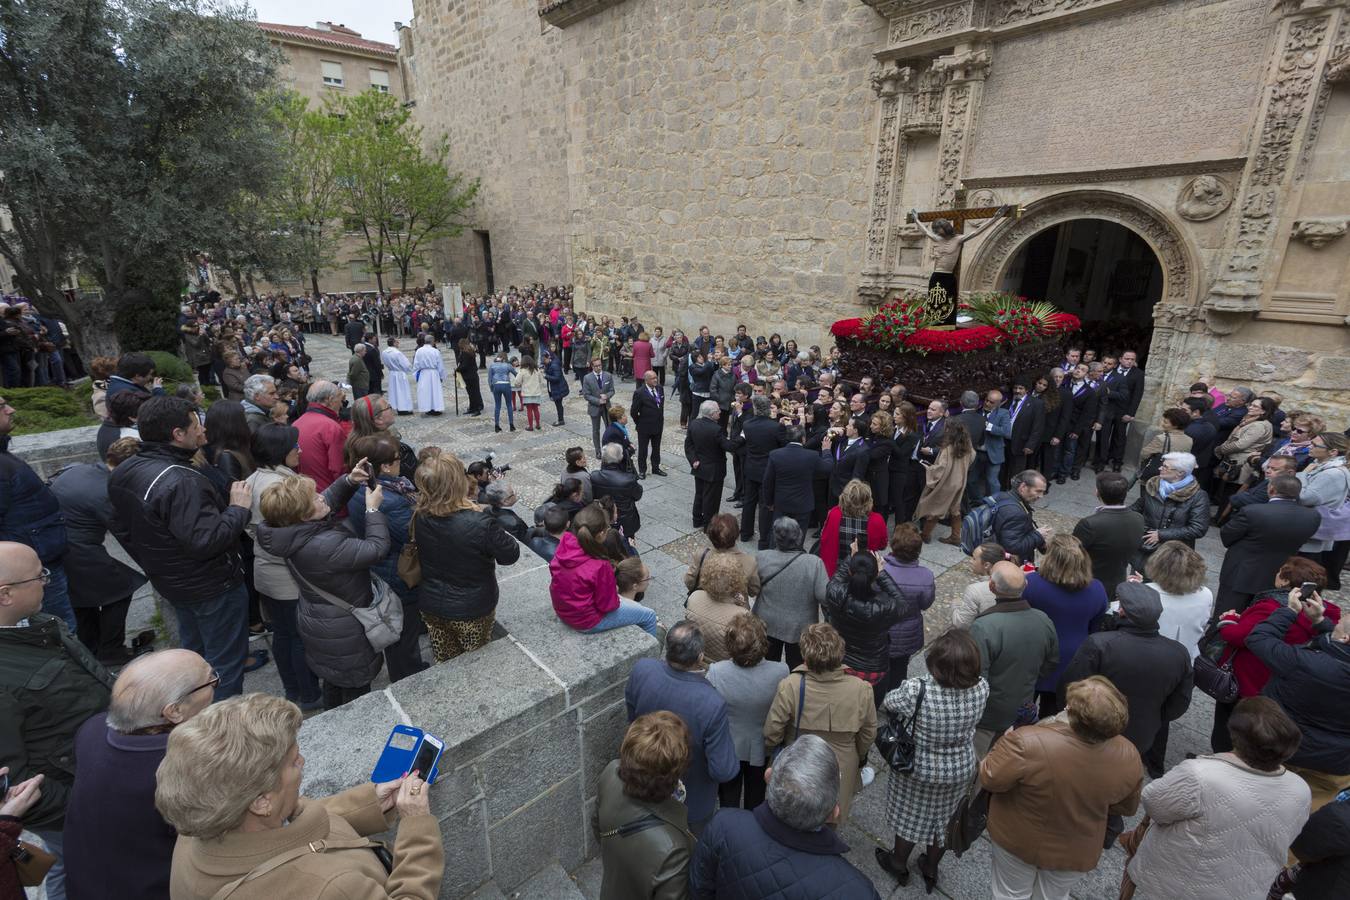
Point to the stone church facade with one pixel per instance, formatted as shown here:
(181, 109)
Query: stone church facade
(728, 161)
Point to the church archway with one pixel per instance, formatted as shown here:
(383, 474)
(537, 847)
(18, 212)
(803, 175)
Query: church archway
(1105, 257)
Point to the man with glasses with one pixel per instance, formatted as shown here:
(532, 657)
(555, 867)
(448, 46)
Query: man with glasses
(49, 685)
(1259, 538)
(30, 514)
(114, 835)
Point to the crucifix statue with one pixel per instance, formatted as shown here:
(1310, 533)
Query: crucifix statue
(948, 234)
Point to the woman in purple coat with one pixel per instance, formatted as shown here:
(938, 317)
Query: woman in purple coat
(915, 583)
(1064, 589)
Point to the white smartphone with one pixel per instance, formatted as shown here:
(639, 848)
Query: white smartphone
(427, 756)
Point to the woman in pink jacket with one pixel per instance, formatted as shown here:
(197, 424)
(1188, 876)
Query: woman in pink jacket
(642, 356)
(584, 591)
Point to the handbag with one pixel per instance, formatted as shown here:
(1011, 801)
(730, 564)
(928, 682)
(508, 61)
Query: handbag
(294, 853)
(382, 620)
(1335, 523)
(797, 726)
(409, 563)
(1213, 668)
(698, 573)
(895, 737)
(31, 862)
(970, 819)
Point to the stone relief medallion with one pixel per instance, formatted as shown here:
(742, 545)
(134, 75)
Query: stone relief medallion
(1203, 198)
(982, 199)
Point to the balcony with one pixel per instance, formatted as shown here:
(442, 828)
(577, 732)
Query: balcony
(561, 13)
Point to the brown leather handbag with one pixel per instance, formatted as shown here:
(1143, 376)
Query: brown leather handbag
(31, 862)
(409, 563)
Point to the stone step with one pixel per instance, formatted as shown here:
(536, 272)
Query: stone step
(550, 883)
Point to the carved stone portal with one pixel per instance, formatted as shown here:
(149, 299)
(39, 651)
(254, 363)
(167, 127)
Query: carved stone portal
(1317, 233)
(1203, 198)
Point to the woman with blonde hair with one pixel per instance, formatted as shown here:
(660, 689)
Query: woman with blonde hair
(460, 546)
(230, 785)
(328, 562)
(1178, 573)
(1063, 588)
(721, 596)
(853, 521)
(944, 485)
(820, 698)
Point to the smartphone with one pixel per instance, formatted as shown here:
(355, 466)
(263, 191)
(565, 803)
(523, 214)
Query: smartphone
(428, 754)
(4, 785)
(1306, 590)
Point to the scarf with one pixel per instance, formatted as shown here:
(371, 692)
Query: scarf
(1167, 487)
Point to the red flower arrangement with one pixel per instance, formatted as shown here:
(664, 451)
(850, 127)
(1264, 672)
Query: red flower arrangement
(1003, 319)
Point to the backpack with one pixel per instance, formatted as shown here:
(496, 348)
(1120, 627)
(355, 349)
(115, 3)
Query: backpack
(977, 527)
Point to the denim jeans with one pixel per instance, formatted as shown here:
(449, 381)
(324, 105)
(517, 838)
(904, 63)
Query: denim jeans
(55, 882)
(56, 597)
(218, 630)
(301, 685)
(501, 393)
(1068, 457)
(629, 612)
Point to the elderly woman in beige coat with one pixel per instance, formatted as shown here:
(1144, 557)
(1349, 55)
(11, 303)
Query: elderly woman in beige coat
(838, 708)
(945, 481)
(242, 823)
(721, 597)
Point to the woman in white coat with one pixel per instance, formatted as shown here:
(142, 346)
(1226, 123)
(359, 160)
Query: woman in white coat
(1326, 486)
(398, 390)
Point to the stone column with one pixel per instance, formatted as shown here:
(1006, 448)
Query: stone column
(964, 71)
(1285, 126)
(888, 170)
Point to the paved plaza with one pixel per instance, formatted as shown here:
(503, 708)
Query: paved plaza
(668, 543)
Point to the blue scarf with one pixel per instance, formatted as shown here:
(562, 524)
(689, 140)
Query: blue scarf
(1167, 487)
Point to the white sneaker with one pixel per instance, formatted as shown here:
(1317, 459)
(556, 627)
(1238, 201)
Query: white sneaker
(867, 775)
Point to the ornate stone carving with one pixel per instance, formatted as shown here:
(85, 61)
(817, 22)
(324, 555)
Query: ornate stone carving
(1007, 238)
(952, 149)
(1317, 233)
(884, 178)
(981, 198)
(929, 22)
(1008, 12)
(1203, 198)
(1238, 285)
(924, 112)
(1176, 316)
(966, 65)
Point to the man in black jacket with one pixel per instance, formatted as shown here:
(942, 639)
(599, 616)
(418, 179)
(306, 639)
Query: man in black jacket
(706, 448)
(1122, 390)
(1259, 492)
(1028, 431)
(1079, 399)
(970, 419)
(790, 472)
(616, 482)
(170, 519)
(763, 435)
(1259, 538)
(354, 331)
(1111, 535)
(1152, 671)
(648, 413)
(1013, 527)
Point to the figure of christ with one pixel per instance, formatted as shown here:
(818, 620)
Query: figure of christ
(947, 244)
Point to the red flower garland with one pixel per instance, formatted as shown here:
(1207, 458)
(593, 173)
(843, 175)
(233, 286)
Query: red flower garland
(965, 340)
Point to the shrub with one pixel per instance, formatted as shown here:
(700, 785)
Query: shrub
(41, 409)
(171, 367)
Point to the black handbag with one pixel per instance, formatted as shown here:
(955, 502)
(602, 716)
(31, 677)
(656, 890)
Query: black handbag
(1213, 668)
(895, 737)
(970, 819)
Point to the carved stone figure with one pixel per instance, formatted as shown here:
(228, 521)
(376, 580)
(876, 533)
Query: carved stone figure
(1317, 233)
(1203, 198)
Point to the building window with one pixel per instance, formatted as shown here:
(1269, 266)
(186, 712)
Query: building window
(379, 80)
(332, 74)
(360, 274)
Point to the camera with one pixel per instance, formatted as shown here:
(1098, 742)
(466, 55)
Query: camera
(489, 465)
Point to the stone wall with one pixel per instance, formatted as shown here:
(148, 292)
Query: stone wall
(1161, 83)
(49, 452)
(492, 77)
(529, 722)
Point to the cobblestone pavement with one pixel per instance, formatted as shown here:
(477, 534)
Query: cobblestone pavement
(668, 543)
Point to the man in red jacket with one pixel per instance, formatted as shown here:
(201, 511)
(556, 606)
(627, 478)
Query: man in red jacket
(322, 435)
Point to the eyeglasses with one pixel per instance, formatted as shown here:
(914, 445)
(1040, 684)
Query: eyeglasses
(213, 683)
(45, 578)
(1300, 431)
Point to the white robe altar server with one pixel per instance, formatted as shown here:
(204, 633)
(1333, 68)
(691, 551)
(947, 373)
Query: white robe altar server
(430, 372)
(399, 386)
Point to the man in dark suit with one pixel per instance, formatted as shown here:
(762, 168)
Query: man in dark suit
(706, 448)
(1260, 492)
(648, 414)
(1111, 535)
(763, 434)
(931, 424)
(1122, 390)
(789, 481)
(740, 411)
(597, 388)
(970, 419)
(1080, 409)
(354, 331)
(1028, 431)
(1259, 538)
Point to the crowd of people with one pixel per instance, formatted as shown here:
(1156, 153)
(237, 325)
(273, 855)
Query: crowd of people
(293, 507)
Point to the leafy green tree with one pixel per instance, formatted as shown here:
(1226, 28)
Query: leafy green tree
(429, 204)
(374, 146)
(307, 198)
(129, 129)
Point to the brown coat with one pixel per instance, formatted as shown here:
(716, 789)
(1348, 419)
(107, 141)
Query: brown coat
(748, 566)
(944, 483)
(839, 709)
(1051, 792)
(202, 867)
(712, 617)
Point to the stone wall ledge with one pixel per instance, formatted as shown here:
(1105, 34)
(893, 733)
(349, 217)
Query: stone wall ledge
(50, 451)
(528, 721)
(561, 13)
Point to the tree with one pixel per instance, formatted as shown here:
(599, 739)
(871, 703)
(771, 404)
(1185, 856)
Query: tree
(373, 147)
(127, 130)
(429, 202)
(307, 196)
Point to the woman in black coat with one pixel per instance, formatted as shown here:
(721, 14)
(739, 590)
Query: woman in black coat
(906, 475)
(880, 446)
(862, 602)
(557, 383)
(460, 546)
(467, 367)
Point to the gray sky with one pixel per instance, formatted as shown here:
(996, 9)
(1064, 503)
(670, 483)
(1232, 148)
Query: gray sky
(374, 20)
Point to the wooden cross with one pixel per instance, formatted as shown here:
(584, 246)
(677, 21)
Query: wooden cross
(958, 217)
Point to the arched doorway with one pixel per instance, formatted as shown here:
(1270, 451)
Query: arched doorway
(1100, 271)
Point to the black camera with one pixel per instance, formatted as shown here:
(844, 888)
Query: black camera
(488, 464)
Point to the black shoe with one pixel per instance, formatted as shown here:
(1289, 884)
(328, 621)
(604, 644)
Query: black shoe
(557, 424)
(738, 505)
(1116, 467)
(498, 428)
(642, 476)
(929, 880)
(887, 863)
(1073, 476)
(1059, 479)
(660, 473)
(513, 428)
